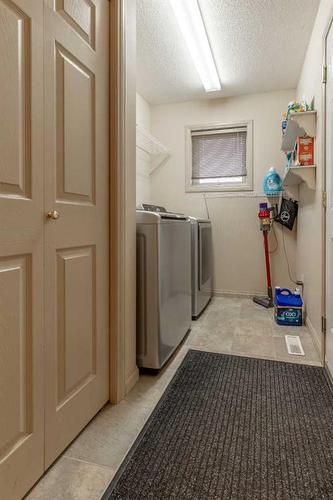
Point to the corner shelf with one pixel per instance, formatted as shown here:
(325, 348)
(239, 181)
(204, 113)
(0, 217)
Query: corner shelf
(299, 124)
(297, 174)
(153, 147)
(273, 196)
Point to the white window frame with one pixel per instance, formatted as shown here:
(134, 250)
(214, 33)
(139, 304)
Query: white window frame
(246, 185)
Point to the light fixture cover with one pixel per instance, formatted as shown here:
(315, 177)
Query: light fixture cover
(191, 24)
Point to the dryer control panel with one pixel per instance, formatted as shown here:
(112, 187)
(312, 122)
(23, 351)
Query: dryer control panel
(151, 208)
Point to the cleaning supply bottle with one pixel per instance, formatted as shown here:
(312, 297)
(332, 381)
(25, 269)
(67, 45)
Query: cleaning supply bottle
(288, 307)
(272, 182)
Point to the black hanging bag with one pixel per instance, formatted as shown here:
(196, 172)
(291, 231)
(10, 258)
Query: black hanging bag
(288, 213)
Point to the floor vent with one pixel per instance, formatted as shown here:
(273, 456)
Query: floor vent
(294, 345)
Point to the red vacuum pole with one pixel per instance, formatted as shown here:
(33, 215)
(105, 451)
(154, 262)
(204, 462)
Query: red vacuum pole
(268, 266)
(265, 226)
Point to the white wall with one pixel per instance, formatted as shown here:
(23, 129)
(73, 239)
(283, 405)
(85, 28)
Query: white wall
(143, 185)
(310, 243)
(237, 242)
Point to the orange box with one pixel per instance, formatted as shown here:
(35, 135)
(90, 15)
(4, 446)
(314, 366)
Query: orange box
(305, 151)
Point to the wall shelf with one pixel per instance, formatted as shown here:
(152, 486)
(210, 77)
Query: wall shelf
(274, 197)
(153, 147)
(297, 174)
(299, 124)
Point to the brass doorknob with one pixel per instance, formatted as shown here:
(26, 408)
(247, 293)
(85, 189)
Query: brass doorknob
(53, 215)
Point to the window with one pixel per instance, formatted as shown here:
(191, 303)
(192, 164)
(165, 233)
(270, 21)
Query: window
(219, 158)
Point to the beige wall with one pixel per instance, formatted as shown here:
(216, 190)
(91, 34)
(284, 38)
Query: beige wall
(143, 162)
(143, 112)
(309, 246)
(237, 243)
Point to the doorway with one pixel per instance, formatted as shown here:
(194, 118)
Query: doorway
(329, 199)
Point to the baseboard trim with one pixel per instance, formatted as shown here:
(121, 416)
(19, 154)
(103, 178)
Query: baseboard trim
(237, 295)
(131, 380)
(314, 334)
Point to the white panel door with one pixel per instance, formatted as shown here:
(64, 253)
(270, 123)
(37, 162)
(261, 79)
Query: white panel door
(329, 213)
(21, 246)
(76, 235)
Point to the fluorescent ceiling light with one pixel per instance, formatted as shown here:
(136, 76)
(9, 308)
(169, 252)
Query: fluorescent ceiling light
(191, 24)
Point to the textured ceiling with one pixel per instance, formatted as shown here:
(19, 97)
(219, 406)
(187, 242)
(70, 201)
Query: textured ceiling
(258, 45)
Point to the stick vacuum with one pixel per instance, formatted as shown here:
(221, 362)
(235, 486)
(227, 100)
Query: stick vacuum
(265, 227)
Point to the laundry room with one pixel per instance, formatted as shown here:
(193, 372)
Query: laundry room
(205, 152)
(166, 229)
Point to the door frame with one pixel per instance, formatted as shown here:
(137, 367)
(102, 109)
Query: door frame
(123, 370)
(324, 190)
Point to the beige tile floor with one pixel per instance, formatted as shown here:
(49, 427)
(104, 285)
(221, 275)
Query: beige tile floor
(229, 325)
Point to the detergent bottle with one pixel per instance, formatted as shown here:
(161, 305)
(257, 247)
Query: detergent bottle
(288, 307)
(272, 182)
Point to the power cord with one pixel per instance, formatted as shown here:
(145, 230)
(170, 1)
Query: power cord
(276, 240)
(287, 260)
(206, 204)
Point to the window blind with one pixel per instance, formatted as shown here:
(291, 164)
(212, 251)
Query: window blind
(219, 153)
